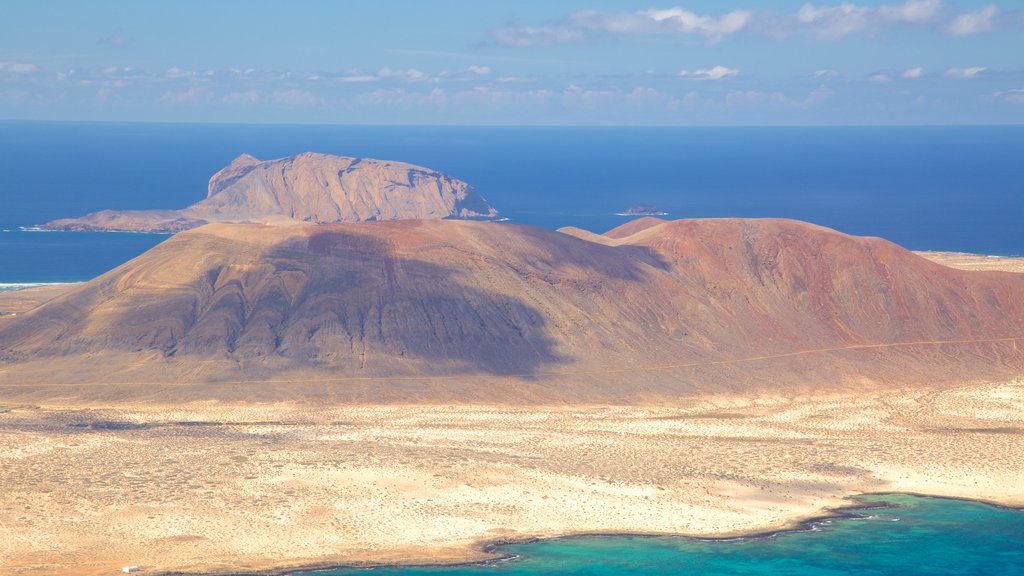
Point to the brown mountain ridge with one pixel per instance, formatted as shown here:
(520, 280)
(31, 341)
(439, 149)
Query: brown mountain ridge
(310, 187)
(442, 310)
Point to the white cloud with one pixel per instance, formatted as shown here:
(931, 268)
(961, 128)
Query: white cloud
(833, 22)
(826, 21)
(913, 72)
(411, 74)
(716, 73)
(1014, 96)
(18, 67)
(965, 72)
(826, 73)
(356, 78)
(516, 79)
(686, 22)
(911, 11)
(175, 73)
(577, 96)
(880, 78)
(481, 70)
(586, 24)
(247, 97)
(402, 99)
(977, 22)
(645, 96)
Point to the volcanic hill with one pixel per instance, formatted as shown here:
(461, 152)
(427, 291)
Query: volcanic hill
(459, 311)
(310, 187)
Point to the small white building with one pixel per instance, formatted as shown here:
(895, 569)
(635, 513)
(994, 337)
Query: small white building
(130, 569)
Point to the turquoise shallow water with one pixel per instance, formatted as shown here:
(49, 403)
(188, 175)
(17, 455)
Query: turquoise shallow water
(892, 534)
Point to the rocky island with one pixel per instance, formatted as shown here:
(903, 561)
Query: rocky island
(310, 187)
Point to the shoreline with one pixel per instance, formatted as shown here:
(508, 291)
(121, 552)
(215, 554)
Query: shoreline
(492, 547)
(271, 489)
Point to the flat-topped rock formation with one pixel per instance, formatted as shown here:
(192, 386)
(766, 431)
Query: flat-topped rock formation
(317, 188)
(441, 311)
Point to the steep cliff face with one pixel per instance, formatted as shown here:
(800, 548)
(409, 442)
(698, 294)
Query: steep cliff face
(309, 187)
(466, 311)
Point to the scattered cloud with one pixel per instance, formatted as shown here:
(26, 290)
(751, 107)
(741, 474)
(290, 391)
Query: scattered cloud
(911, 11)
(1014, 96)
(18, 67)
(192, 95)
(970, 23)
(590, 24)
(824, 21)
(965, 72)
(683, 21)
(356, 78)
(471, 87)
(411, 74)
(294, 97)
(175, 73)
(645, 96)
(716, 73)
(247, 97)
(835, 22)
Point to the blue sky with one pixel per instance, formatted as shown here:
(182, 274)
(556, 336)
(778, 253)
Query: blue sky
(525, 62)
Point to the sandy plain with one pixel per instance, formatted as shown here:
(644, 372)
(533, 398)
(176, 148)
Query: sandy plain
(215, 487)
(966, 261)
(219, 488)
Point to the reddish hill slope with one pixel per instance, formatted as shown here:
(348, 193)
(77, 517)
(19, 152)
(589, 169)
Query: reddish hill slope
(464, 311)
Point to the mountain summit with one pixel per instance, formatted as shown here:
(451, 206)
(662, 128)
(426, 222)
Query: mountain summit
(310, 187)
(456, 311)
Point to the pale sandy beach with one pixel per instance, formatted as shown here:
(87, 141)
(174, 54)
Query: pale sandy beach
(232, 487)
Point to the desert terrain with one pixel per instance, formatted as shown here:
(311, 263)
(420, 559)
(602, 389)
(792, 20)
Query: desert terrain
(214, 475)
(965, 261)
(227, 487)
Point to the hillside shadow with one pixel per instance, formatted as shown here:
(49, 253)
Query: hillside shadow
(361, 306)
(564, 250)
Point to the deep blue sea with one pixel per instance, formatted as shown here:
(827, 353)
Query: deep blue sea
(938, 188)
(911, 536)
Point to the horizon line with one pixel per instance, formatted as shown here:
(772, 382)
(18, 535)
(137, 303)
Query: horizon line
(521, 125)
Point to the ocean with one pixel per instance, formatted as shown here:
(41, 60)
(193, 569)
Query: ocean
(926, 188)
(889, 535)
